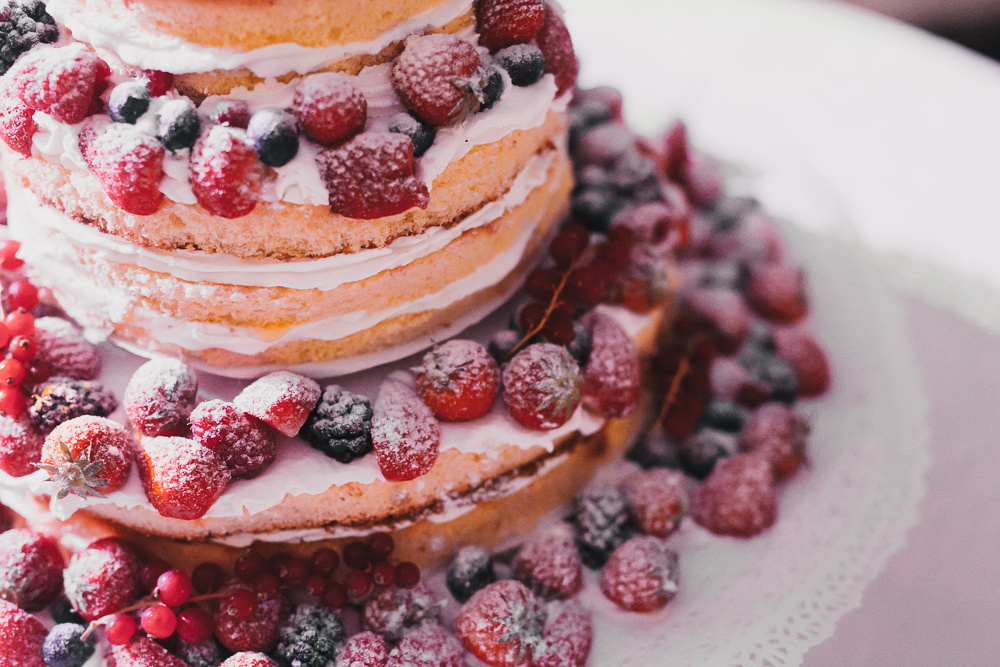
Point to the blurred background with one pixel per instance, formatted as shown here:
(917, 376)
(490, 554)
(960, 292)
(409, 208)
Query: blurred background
(972, 23)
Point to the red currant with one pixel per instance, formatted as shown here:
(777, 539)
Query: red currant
(207, 578)
(334, 595)
(195, 625)
(38, 372)
(278, 565)
(267, 586)
(325, 561)
(586, 284)
(22, 294)
(5, 334)
(380, 545)
(383, 573)
(12, 372)
(356, 556)
(174, 587)
(12, 401)
(20, 323)
(150, 573)
(542, 283)
(559, 329)
(568, 245)
(618, 248)
(23, 349)
(241, 604)
(8, 255)
(249, 565)
(296, 573)
(407, 574)
(120, 629)
(159, 621)
(315, 584)
(359, 586)
(531, 315)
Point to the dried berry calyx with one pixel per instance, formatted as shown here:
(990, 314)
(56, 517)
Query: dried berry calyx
(80, 476)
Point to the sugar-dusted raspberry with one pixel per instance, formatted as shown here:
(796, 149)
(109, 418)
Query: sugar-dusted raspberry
(777, 292)
(738, 498)
(395, 611)
(129, 164)
(21, 636)
(330, 107)
(458, 380)
(249, 659)
(439, 78)
(550, 566)
(806, 357)
(310, 637)
(775, 433)
(601, 522)
(656, 500)
(102, 578)
(612, 376)
(182, 478)
(143, 652)
(244, 443)
(60, 399)
(60, 81)
(87, 456)
(502, 23)
(281, 399)
(470, 571)
(502, 624)
(160, 396)
(17, 124)
(259, 632)
(62, 346)
(641, 575)
(430, 645)
(567, 641)
(371, 176)
(30, 569)
(405, 434)
(542, 386)
(557, 47)
(340, 426)
(227, 177)
(365, 649)
(20, 445)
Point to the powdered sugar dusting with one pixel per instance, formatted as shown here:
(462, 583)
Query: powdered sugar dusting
(281, 399)
(365, 649)
(405, 434)
(430, 645)
(612, 379)
(641, 575)
(182, 478)
(738, 497)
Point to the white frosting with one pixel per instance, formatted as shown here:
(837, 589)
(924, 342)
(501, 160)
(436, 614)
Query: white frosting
(170, 53)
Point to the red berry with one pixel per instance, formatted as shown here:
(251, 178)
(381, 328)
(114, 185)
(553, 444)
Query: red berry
(207, 578)
(567, 641)
(20, 446)
(182, 478)
(38, 372)
(23, 294)
(241, 604)
(559, 329)
(17, 127)
(612, 378)
(296, 573)
(102, 578)
(383, 573)
(12, 372)
(31, 568)
(557, 47)
(62, 347)
(315, 584)
(120, 629)
(677, 154)
(738, 497)
(175, 588)
(356, 556)
(129, 164)
(585, 284)
(21, 637)
(8, 255)
(20, 323)
(330, 108)
(550, 566)
(266, 586)
(234, 113)
(59, 80)
(244, 442)
(281, 399)
(372, 176)
(143, 652)
(249, 565)
(641, 575)
(778, 435)
(195, 625)
(334, 595)
(439, 78)
(503, 23)
(430, 645)
(359, 586)
(502, 624)
(725, 312)
(87, 440)
(227, 177)
(324, 561)
(807, 359)
(777, 292)
(365, 649)
(151, 572)
(12, 401)
(407, 574)
(157, 83)
(531, 315)
(259, 632)
(656, 500)
(541, 284)
(160, 396)
(542, 386)
(568, 245)
(159, 621)
(395, 611)
(380, 546)
(458, 380)
(23, 349)
(405, 434)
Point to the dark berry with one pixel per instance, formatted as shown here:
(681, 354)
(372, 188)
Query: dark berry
(275, 135)
(700, 452)
(311, 637)
(62, 399)
(234, 113)
(502, 343)
(205, 654)
(63, 646)
(493, 88)
(524, 63)
(128, 101)
(595, 207)
(730, 212)
(471, 570)
(773, 371)
(340, 426)
(421, 134)
(62, 612)
(655, 451)
(380, 545)
(601, 521)
(724, 415)
(407, 574)
(178, 124)
(23, 25)
(580, 347)
(207, 578)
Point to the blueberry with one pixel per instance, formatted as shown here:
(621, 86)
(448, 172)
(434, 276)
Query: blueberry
(471, 570)
(524, 63)
(655, 451)
(209, 654)
(595, 207)
(699, 452)
(62, 612)
(421, 134)
(580, 347)
(502, 343)
(493, 88)
(64, 648)
(178, 124)
(128, 101)
(275, 135)
(724, 415)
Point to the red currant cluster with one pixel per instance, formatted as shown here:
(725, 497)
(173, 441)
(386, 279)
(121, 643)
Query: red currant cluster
(17, 337)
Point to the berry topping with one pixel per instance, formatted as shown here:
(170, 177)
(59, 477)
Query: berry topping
(807, 359)
(396, 611)
(174, 588)
(405, 434)
(178, 124)
(195, 626)
(281, 399)
(330, 108)
(471, 571)
(371, 176)
(612, 377)
(158, 621)
(493, 88)
(421, 134)
(458, 380)
(87, 456)
(128, 101)
(550, 566)
(600, 520)
(407, 574)
(160, 396)
(234, 113)
(128, 163)
(242, 441)
(566, 642)
(641, 575)
(102, 578)
(524, 63)
(738, 497)
(777, 292)
(430, 645)
(656, 500)
(62, 612)
(311, 637)
(60, 81)
(439, 78)
(21, 636)
(557, 47)
(275, 135)
(253, 659)
(778, 435)
(60, 399)
(17, 124)
(700, 452)
(502, 624)
(63, 646)
(64, 349)
(143, 652)
(24, 25)
(120, 629)
(253, 631)
(365, 649)
(30, 569)
(542, 386)
(20, 446)
(502, 23)
(157, 83)
(341, 425)
(182, 478)
(208, 653)
(227, 176)
(724, 312)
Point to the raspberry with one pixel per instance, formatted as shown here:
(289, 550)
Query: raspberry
(17, 124)
(157, 83)
(550, 566)
(20, 446)
(258, 632)
(566, 642)
(143, 652)
(21, 636)
(738, 497)
(128, 163)
(612, 376)
(502, 624)
(102, 578)
(807, 359)
(641, 575)
(503, 23)
(557, 47)
(311, 637)
(542, 386)
(330, 108)
(778, 435)
(341, 425)
(60, 81)
(430, 645)
(87, 456)
(160, 396)
(249, 659)
(458, 380)
(61, 399)
(30, 569)
(281, 399)
(600, 520)
(471, 571)
(245, 444)
(182, 478)
(395, 611)
(365, 649)
(64, 648)
(405, 434)
(371, 176)
(439, 78)
(227, 177)
(777, 292)
(656, 500)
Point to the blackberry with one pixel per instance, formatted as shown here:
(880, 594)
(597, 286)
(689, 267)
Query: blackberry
(525, 64)
(493, 89)
(311, 637)
(699, 452)
(209, 654)
(729, 212)
(24, 24)
(275, 135)
(471, 570)
(592, 176)
(580, 347)
(724, 415)
(178, 124)
(128, 101)
(421, 134)
(502, 343)
(340, 425)
(60, 399)
(62, 612)
(63, 646)
(601, 523)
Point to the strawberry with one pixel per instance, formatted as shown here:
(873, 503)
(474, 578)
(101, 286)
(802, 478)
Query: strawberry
(656, 500)
(60, 81)
(143, 652)
(458, 380)
(550, 566)
(182, 478)
(244, 442)
(612, 376)
(160, 396)
(807, 359)
(21, 637)
(371, 176)
(20, 445)
(227, 176)
(641, 575)
(248, 659)
(738, 497)
(330, 108)
(778, 435)
(777, 292)
(430, 645)
(103, 578)
(405, 434)
(129, 164)
(566, 642)
(64, 349)
(31, 568)
(17, 124)
(503, 23)
(439, 78)
(281, 399)
(87, 456)
(502, 624)
(257, 633)
(542, 386)
(365, 649)
(557, 47)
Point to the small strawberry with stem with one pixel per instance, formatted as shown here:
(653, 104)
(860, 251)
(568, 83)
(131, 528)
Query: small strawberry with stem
(439, 78)
(502, 624)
